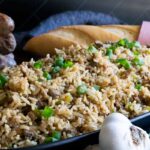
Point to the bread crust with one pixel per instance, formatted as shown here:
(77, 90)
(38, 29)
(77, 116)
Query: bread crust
(79, 34)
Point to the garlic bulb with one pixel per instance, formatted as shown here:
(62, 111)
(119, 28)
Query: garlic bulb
(118, 133)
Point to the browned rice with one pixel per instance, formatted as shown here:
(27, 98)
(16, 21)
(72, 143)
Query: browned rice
(27, 90)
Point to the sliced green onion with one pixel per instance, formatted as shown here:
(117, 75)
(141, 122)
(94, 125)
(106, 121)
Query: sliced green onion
(47, 75)
(137, 44)
(92, 49)
(67, 64)
(50, 140)
(82, 89)
(96, 87)
(3, 80)
(59, 61)
(109, 52)
(56, 69)
(127, 44)
(124, 62)
(122, 42)
(56, 135)
(113, 47)
(38, 64)
(138, 87)
(136, 52)
(47, 112)
(138, 61)
(130, 45)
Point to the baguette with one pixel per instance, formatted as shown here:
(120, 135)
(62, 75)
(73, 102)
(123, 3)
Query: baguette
(125, 31)
(78, 34)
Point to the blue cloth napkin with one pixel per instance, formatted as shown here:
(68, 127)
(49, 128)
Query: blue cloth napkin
(64, 19)
(74, 18)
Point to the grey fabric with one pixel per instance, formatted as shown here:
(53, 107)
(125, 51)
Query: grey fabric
(74, 18)
(66, 18)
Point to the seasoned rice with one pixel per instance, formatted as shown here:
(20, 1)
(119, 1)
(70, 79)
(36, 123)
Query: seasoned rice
(109, 88)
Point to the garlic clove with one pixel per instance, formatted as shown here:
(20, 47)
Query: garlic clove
(118, 133)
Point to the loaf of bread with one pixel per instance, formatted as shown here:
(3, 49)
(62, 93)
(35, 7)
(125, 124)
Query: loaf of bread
(130, 32)
(79, 34)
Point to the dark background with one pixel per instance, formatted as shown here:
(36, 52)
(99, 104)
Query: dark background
(28, 13)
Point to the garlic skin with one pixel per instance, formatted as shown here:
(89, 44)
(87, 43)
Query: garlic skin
(118, 133)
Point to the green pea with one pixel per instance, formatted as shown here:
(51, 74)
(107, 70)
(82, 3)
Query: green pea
(56, 69)
(59, 61)
(82, 89)
(47, 75)
(68, 64)
(38, 64)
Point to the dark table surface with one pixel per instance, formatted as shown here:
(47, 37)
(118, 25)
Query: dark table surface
(28, 13)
